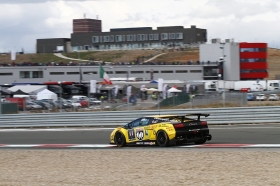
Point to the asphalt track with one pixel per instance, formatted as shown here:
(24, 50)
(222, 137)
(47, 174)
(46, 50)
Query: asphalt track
(225, 134)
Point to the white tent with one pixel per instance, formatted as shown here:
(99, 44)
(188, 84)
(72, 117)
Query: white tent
(46, 94)
(29, 89)
(174, 90)
(151, 90)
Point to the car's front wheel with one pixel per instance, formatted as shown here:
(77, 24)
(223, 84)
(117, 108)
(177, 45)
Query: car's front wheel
(162, 139)
(120, 139)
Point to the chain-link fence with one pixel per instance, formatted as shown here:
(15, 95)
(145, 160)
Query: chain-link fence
(224, 99)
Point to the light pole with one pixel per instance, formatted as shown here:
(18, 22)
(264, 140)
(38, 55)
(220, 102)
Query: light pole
(60, 96)
(128, 87)
(152, 74)
(222, 61)
(127, 74)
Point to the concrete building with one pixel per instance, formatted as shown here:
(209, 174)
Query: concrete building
(237, 61)
(40, 74)
(87, 35)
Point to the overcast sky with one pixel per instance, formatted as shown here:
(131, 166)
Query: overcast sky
(24, 21)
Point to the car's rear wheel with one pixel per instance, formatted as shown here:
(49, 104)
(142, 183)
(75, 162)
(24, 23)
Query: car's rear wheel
(120, 139)
(162, 139)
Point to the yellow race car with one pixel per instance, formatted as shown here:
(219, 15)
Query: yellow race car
(162, 130)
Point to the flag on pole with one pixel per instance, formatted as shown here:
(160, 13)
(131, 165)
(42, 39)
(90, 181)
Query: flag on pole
(105, 76)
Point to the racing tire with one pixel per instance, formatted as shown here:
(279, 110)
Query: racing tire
(162, 139)
(200, 141)
(120, 139)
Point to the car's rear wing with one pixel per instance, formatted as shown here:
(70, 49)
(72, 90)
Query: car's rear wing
(182, 117)
(198, 115)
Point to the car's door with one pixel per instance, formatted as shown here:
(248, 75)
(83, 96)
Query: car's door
(136, 131)
(132, 130)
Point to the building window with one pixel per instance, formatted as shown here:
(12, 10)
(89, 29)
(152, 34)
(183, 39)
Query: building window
(95, 39)
(31, 74)
(118, 38)
(181, 71)
(37, 74)
(121, 72)
(252, 60)
(72, 73)
(109, 72)
(24, 74)
(112, 38)
(164, 36)
(195, 71)
(253, 49)
(179, 35)
(138, 37)
(56, 73)
(123, 38)
(155, 71)
(106, 38)
(137, 72)
(156, 36)
(128, 38)
(167, 71)
(134, 38)
(94, 72)
(171, 35)
(151, 36)
(100, 39)
(6, 74)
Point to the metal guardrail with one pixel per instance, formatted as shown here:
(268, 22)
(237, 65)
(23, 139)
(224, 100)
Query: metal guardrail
(236, 115)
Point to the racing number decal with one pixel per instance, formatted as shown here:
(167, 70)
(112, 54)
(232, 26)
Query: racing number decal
(140, 134)
(131, 134)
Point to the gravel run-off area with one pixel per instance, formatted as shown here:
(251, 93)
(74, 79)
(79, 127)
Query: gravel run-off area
(139, 166)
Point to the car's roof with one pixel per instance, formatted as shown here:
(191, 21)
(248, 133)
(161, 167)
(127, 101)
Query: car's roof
(173, 115)
(161, 116)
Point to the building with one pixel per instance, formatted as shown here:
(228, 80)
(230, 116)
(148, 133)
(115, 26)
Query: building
(53, 45)
(253, 61)
(87, 35)
(87, 25)
(237, 61)
(40, 74)
(135, 38)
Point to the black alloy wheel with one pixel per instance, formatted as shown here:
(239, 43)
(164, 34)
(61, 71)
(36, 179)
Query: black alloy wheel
(162, 139)
(119, 139)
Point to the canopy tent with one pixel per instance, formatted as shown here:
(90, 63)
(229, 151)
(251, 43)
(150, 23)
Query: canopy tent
(20, 92)
(151, 90)
(6, 92)
(173, 90)
(153, 81)
(46, 94)
(29, 89)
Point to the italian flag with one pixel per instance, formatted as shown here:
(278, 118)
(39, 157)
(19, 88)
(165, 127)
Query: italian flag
(105, 76)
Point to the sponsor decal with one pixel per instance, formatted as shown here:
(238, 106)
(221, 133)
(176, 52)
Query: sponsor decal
(139, 143)
(131, 134)
(140, 134)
